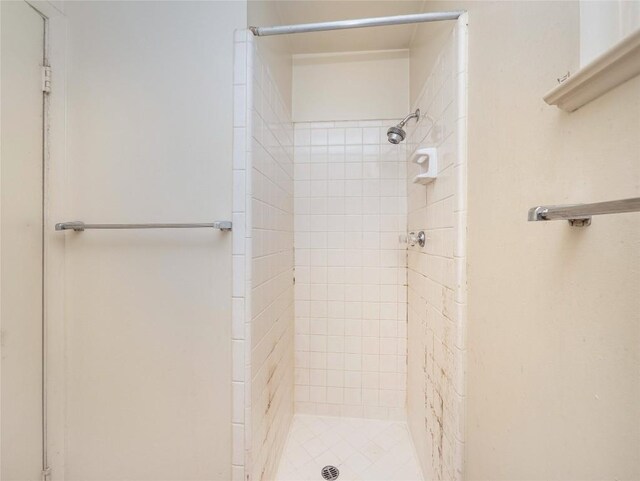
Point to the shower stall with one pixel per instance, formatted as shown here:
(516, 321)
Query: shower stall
(349, 296)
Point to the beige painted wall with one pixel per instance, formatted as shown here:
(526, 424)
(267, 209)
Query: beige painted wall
(553, 325)
(148, 341)
(351, 86)
(21, 242)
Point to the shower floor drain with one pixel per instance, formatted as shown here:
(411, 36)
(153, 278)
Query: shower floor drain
(330, 473)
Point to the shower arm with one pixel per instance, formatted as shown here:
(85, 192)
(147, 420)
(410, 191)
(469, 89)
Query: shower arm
(413, 115)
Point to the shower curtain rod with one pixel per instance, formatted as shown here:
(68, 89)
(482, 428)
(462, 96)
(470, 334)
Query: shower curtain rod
(355, 23)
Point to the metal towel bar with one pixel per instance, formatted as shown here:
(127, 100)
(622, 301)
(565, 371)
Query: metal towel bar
(580, 214)
(79, 226)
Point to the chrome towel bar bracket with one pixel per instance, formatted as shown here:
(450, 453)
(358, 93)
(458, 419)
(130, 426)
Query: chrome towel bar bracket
(580, 215)
(79, 226)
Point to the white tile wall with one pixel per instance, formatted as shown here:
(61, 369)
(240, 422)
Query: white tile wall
(263, 319)
(272, 306)
(437, 272)
(241, 252)
(350, 266)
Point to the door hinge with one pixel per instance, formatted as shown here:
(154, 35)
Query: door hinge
(46, 474)
(46, 79)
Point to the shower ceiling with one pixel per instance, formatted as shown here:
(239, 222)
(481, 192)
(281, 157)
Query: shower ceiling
(375, 38)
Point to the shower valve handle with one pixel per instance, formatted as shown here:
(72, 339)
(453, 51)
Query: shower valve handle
(420, 238)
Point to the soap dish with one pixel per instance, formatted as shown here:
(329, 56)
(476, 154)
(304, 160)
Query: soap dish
(427, 160)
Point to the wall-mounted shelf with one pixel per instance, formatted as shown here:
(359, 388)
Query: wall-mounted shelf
(615, 66)
(427, 160)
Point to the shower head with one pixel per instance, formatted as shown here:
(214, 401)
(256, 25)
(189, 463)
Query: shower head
(396, 134)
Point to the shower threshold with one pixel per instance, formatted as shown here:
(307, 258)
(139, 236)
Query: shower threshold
(361, 449)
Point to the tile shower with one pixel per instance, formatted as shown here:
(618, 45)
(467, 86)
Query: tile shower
(337, 320)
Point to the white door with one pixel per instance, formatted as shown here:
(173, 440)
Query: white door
(21, 252)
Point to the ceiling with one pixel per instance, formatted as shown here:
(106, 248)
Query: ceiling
(372, 38)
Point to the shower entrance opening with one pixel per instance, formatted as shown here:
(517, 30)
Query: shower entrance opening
(350, 206)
